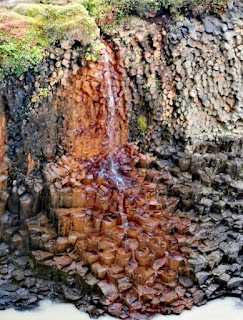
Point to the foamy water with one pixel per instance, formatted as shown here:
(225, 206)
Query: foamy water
(221, 309)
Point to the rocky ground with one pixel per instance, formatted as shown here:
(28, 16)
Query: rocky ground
(21, 288)
(216, 258)
(209, 185)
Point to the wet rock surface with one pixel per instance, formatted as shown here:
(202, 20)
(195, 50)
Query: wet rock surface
(105, 221)
(215, 257)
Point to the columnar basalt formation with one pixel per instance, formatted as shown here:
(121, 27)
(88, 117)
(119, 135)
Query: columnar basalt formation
(108, 218)
(208, 184)
(86, 130)
(149, 79)
(207, 56)
(130, 240)
(184, 78)
(94, 212)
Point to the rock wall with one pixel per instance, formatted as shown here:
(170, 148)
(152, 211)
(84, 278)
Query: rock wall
(150, 54)
(147, 76)
(209, 185)
(33, 131)
(208, 56)
(86, 102)
(186, 79)
(182, 86)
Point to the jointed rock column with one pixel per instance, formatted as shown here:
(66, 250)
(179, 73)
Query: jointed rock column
(3, 162)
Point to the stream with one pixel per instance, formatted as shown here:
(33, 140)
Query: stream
(221, 309)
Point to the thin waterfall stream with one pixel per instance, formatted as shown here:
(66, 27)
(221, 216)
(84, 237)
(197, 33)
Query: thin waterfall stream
(114, 166)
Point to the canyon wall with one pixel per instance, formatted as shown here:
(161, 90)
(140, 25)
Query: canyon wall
(177, 90)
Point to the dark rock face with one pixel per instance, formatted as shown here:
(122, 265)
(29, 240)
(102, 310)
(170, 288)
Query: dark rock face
(3, 161)
(22, 289)
(186, 78)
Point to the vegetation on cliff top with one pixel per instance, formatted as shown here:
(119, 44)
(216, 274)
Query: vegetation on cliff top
(108, 12)
(29, 27)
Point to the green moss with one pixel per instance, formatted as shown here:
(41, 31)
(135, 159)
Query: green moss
(19, 47)
(146, 86)
(92, 53)
(32, 263)
(111, 12)
(56, 22)
(142, 123)
(165, 143)
(37, 97)
(28, 29)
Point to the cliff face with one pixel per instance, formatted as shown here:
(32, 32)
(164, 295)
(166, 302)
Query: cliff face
(186, 78)
(141, 233)
(3, 160)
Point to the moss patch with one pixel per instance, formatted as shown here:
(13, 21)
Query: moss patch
(110, 12)
(57, 22)
(19, 45)
(142, 123)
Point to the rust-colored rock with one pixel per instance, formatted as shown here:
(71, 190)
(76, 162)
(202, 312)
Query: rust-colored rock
(86, 111)
(123, 234)
(110, 220)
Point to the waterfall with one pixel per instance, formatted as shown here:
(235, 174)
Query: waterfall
(111, 102)
(111, 127)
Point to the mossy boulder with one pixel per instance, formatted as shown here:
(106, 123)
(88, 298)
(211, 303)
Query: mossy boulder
(28, 29)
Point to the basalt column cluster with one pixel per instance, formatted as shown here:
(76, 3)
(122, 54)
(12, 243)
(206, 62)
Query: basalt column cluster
(84, 209)
(85, 109)
(103, 221)
(184, 77)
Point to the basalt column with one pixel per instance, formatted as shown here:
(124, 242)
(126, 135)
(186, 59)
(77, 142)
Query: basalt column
(3, 162)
